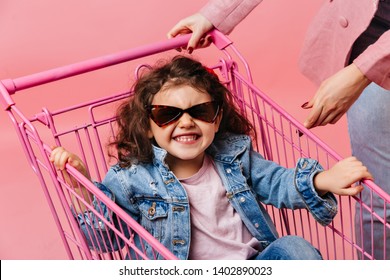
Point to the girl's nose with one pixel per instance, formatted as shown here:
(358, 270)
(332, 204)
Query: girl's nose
(186, 120)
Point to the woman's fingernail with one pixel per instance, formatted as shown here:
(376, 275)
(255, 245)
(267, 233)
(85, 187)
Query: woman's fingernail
(300, 133)
(304, 105)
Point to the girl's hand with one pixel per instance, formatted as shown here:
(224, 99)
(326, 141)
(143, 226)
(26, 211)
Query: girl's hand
(60, 157)
(341, 176)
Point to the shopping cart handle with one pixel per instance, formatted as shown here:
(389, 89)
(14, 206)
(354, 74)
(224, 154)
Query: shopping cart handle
(5, 98)
(220, 40)
(40, 78)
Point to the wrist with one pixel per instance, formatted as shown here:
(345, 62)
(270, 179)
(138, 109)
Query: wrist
(363, 80)
(318, 182)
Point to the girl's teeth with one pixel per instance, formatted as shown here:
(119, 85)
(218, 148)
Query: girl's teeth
(186, 138)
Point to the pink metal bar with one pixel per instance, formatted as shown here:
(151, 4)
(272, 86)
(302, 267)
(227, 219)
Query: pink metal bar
(102, 62)
(276, 139)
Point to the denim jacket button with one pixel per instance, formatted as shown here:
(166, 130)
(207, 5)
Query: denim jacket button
(256, 225)
(166, 182)
(152, 209)
(228, 170)
(178, 241)
(242, 199)
(178, 209)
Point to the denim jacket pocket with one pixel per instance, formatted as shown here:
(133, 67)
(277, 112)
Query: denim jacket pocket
(154, 214)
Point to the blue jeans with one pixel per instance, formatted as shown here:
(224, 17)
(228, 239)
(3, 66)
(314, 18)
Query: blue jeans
(369, 131)
(289, 248)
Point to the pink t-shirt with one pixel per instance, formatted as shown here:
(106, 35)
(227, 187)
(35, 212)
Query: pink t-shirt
(217, 230)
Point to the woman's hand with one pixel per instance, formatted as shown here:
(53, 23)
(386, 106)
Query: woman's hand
(335, 96)
(196, 24)
(341, 176)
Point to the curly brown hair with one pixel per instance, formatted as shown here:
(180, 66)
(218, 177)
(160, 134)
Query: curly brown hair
(131, 141)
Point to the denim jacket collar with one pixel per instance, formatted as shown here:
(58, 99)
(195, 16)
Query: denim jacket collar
(228, 147)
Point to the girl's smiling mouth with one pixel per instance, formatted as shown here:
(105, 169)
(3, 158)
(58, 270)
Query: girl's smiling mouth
(187, 138)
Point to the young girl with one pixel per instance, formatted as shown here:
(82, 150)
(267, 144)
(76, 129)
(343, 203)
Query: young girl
(188, 174)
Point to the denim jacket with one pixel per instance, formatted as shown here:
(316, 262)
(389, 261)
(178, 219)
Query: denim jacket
(247, 177)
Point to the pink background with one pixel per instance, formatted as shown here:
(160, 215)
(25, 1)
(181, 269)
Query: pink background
(43, 34)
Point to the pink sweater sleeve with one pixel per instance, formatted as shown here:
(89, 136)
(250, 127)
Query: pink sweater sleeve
(374, 62)
(226, 14)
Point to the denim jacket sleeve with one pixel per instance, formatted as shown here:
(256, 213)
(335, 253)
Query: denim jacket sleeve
(90, 218)
(291, 188)
(322, 208)
(95, 230)
(97, 233)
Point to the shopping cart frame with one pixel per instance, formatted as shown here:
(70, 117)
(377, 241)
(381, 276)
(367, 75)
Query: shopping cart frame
(253, 102)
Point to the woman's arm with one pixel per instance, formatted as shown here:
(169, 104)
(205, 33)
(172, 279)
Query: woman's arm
(337, 93)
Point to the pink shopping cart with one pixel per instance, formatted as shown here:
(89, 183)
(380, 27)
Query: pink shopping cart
(279, 138)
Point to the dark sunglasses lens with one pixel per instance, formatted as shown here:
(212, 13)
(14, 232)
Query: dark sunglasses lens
(163, 115)
(205, 112)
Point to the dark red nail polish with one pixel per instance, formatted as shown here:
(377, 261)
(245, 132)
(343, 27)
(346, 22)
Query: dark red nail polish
(300, 133)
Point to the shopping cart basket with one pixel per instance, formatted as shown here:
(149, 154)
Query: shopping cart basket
(279, 138)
